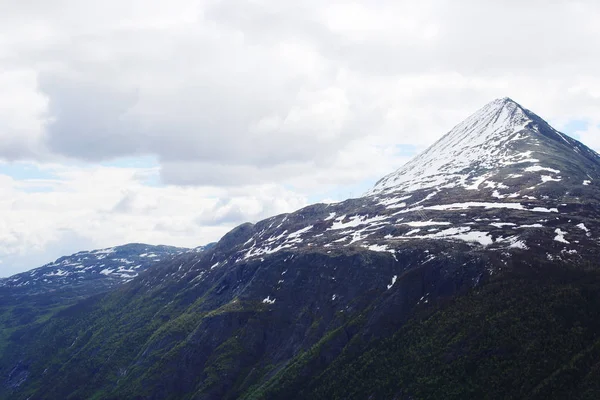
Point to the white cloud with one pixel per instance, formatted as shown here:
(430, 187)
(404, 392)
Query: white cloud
(21, 113)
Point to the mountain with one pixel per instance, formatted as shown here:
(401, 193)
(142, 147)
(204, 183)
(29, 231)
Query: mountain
(469, 273)
(89, 272)
(501, 179)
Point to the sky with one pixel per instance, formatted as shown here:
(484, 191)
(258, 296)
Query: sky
(172, 122)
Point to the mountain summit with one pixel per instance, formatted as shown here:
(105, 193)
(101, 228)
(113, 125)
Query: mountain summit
(501, 142)
(469, 273)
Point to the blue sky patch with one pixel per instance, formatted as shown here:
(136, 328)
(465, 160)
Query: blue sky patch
(24, 171)
(133, 162)
(575, 125)
(404, 150)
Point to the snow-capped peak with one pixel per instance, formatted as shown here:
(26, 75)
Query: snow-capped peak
(500, 116)
(487, 140)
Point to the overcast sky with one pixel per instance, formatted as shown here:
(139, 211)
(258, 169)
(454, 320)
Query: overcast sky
(173, 121)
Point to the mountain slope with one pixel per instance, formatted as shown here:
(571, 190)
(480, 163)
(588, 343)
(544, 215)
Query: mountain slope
(530, 333)
(485, 235)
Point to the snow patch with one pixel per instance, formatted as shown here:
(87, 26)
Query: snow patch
(537, 168)
(560, 236)
(107, 271)
(394, 278)
(425, 223)
(582, 227)
(502, 224)
(548, 178)
(355, 220)
(519, 244)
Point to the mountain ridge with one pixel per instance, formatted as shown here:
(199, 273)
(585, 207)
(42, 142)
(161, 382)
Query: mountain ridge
(93, 270)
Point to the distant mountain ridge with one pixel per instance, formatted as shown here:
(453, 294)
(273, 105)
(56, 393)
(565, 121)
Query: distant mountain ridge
(91, 271)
